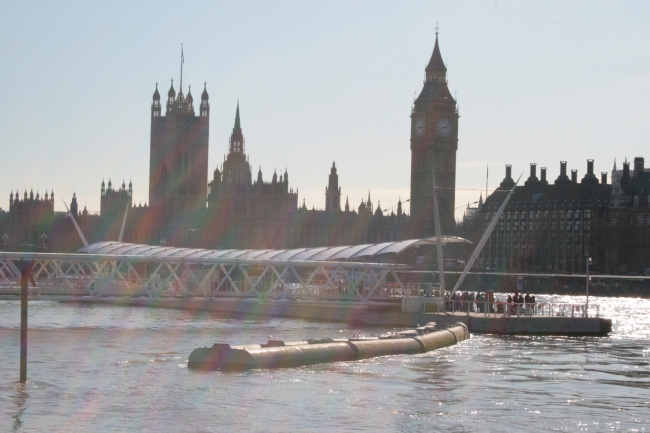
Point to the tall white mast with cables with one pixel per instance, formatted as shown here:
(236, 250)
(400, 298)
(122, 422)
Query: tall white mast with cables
(436, 218)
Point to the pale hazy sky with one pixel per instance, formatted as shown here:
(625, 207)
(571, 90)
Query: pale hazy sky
(537, 82)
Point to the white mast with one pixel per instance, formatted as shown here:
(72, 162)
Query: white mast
(484, 239)
(119, 239)
(436, 217)
(81, 235)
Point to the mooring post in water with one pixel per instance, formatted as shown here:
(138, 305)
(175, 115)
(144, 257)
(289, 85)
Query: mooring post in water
(25, 277)
(586, 312)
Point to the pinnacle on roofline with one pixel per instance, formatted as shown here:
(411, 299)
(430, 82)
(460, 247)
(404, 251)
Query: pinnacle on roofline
(436, 61)
(237, 121)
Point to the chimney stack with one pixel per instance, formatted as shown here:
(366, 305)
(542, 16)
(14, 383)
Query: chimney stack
(507, 182)
(638, 166)
(574, 176)
(590, 178)
(543, 179)
(603, 177)
(562, 179)
(532, 180)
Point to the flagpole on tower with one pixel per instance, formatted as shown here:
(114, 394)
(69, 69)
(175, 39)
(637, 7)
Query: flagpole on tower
(182, 61)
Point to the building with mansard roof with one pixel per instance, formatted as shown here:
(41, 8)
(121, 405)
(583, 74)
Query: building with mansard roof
(547, 227)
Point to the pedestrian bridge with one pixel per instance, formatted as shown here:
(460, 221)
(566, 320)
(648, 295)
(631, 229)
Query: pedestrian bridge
(358, 273)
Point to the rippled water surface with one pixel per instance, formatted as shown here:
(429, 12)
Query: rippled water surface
(114, 369)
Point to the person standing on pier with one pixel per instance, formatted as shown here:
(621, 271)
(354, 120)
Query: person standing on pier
(533, 302)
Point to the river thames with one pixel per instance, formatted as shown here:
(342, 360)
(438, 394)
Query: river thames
(114, 369)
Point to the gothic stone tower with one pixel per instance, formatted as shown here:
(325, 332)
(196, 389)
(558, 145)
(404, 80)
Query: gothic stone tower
(434, 141)
(333, 191)
(236, 179)
(178, 166)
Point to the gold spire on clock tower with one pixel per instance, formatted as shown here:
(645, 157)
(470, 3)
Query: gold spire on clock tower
(434, 141)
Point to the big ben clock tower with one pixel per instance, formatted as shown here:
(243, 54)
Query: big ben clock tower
(434, 141)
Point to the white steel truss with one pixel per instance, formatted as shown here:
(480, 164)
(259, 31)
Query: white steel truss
(97, 275)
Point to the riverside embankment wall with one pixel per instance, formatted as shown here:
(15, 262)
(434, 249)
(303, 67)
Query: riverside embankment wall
(369, 315)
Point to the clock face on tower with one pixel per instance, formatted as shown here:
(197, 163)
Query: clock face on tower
(444, 127)
(419, 127)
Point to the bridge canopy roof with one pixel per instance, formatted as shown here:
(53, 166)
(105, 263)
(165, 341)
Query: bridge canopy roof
(337, 253)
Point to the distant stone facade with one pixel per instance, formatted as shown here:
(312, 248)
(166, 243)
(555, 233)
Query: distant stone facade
(29, 219)
(246, 213)
(233, 210)
(178, 161)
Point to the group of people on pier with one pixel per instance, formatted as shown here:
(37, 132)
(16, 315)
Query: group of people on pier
(481, 302)
(518, 304)
(485, 302)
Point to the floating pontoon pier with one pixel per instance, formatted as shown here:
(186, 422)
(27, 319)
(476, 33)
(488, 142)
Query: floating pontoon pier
(278, 354)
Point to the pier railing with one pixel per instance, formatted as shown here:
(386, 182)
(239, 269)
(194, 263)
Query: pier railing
(509, 309)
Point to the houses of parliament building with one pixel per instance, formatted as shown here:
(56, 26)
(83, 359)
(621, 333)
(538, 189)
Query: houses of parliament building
(234, 208)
